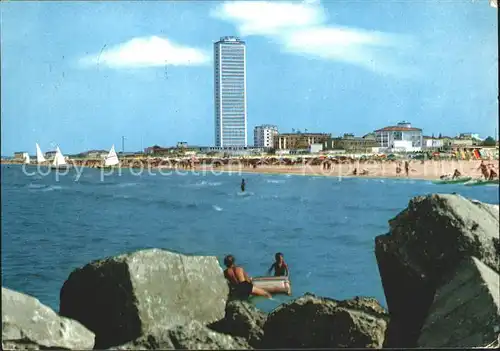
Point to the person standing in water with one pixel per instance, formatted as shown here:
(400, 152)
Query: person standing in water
(279, 266)
(243, 185)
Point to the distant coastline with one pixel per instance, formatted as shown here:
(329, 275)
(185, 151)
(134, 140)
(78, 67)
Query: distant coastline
(419, 170)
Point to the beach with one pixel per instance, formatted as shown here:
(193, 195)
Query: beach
(418, 169)
(427, 170)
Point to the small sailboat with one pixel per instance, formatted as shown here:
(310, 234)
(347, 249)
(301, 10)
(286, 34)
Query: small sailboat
(59, 162)
(39, 155)
(27, 159)
(111, 159)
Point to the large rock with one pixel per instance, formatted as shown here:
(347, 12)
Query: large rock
(158, 339)
(28, 324)
(121, 298)
(244, 320)
(196, 336)
(317, 322)
(466, 310)
(192, 336)
(426, 243)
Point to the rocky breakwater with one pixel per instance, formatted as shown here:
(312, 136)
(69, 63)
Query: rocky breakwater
(307, 322)
(145, 293)
(28, 324)
(439, 267)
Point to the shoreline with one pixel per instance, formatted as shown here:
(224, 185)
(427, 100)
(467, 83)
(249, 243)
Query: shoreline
(427, 170)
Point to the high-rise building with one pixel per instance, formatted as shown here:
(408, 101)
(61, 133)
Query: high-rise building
(230, 93)
(263, 136)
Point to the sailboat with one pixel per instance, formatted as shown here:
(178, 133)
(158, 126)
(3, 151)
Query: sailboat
(27, 159)
(59, 161)
(39, 155)
(111, 159)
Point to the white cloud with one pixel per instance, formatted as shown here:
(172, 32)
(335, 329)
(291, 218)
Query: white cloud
(300, 28)
(146, 52)
(268, 18)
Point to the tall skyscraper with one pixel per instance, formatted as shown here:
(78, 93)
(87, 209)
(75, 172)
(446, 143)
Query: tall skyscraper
(230, 93)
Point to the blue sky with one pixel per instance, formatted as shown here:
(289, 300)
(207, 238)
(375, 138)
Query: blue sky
(82, 74)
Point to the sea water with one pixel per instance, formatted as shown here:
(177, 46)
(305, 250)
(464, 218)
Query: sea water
(324, 226)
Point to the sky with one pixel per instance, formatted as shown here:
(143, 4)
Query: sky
(81, 75)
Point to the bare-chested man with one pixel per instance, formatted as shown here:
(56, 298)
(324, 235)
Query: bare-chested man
(240, 283)
(456, 174)
(484, 170)
(493, 174)
(407, 168)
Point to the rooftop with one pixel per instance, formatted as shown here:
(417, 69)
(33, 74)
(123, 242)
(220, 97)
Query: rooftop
(305, 134)
(398, 129)
(230, 39)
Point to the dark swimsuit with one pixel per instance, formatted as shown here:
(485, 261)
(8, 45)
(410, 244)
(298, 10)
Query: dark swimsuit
(280, 271)
(242, 290)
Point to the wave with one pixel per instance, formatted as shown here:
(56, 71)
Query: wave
(43, 187)
(245, 194)
(370, 207)
(51, 188)
(203, 183)
(36, 186)
(124, 185)
(217, 208)
(275, 181)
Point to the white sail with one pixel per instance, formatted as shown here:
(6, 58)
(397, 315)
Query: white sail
(27, 158)
(59, 158)
(112, 158)
(494, 3)
(39, 155)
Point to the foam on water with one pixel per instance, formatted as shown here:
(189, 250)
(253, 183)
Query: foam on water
(124, 185)
(203, 183)
(36, 186)
(275, 181)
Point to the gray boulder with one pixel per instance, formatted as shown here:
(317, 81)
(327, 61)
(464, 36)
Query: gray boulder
(28, 324)
(121, 298)
(426, 243)
(196, 336)
(158, 339)
(318, 322)
(244, 320)
(466, 310)
(193, 336)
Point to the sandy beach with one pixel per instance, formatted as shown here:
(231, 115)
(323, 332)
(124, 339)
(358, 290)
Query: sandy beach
(428, 170)
(425, 170)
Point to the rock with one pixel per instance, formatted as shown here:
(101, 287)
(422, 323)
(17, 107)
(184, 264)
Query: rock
(196, 336)
(158, 339)
(244, 320)
(121, 298)
(466, 310)
(426, 243)
(318, 322)
(29, 324)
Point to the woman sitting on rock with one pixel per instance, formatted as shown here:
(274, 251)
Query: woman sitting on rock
(239, 282)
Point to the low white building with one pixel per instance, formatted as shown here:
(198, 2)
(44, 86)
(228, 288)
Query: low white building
(315, 148)
(433, 143)
(263, 136)
(401, 138)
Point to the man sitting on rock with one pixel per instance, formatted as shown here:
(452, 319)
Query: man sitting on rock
(239, 282)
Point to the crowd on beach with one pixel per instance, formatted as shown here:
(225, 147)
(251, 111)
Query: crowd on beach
(433, 168)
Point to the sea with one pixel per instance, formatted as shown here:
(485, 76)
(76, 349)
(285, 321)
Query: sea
(325, 226)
